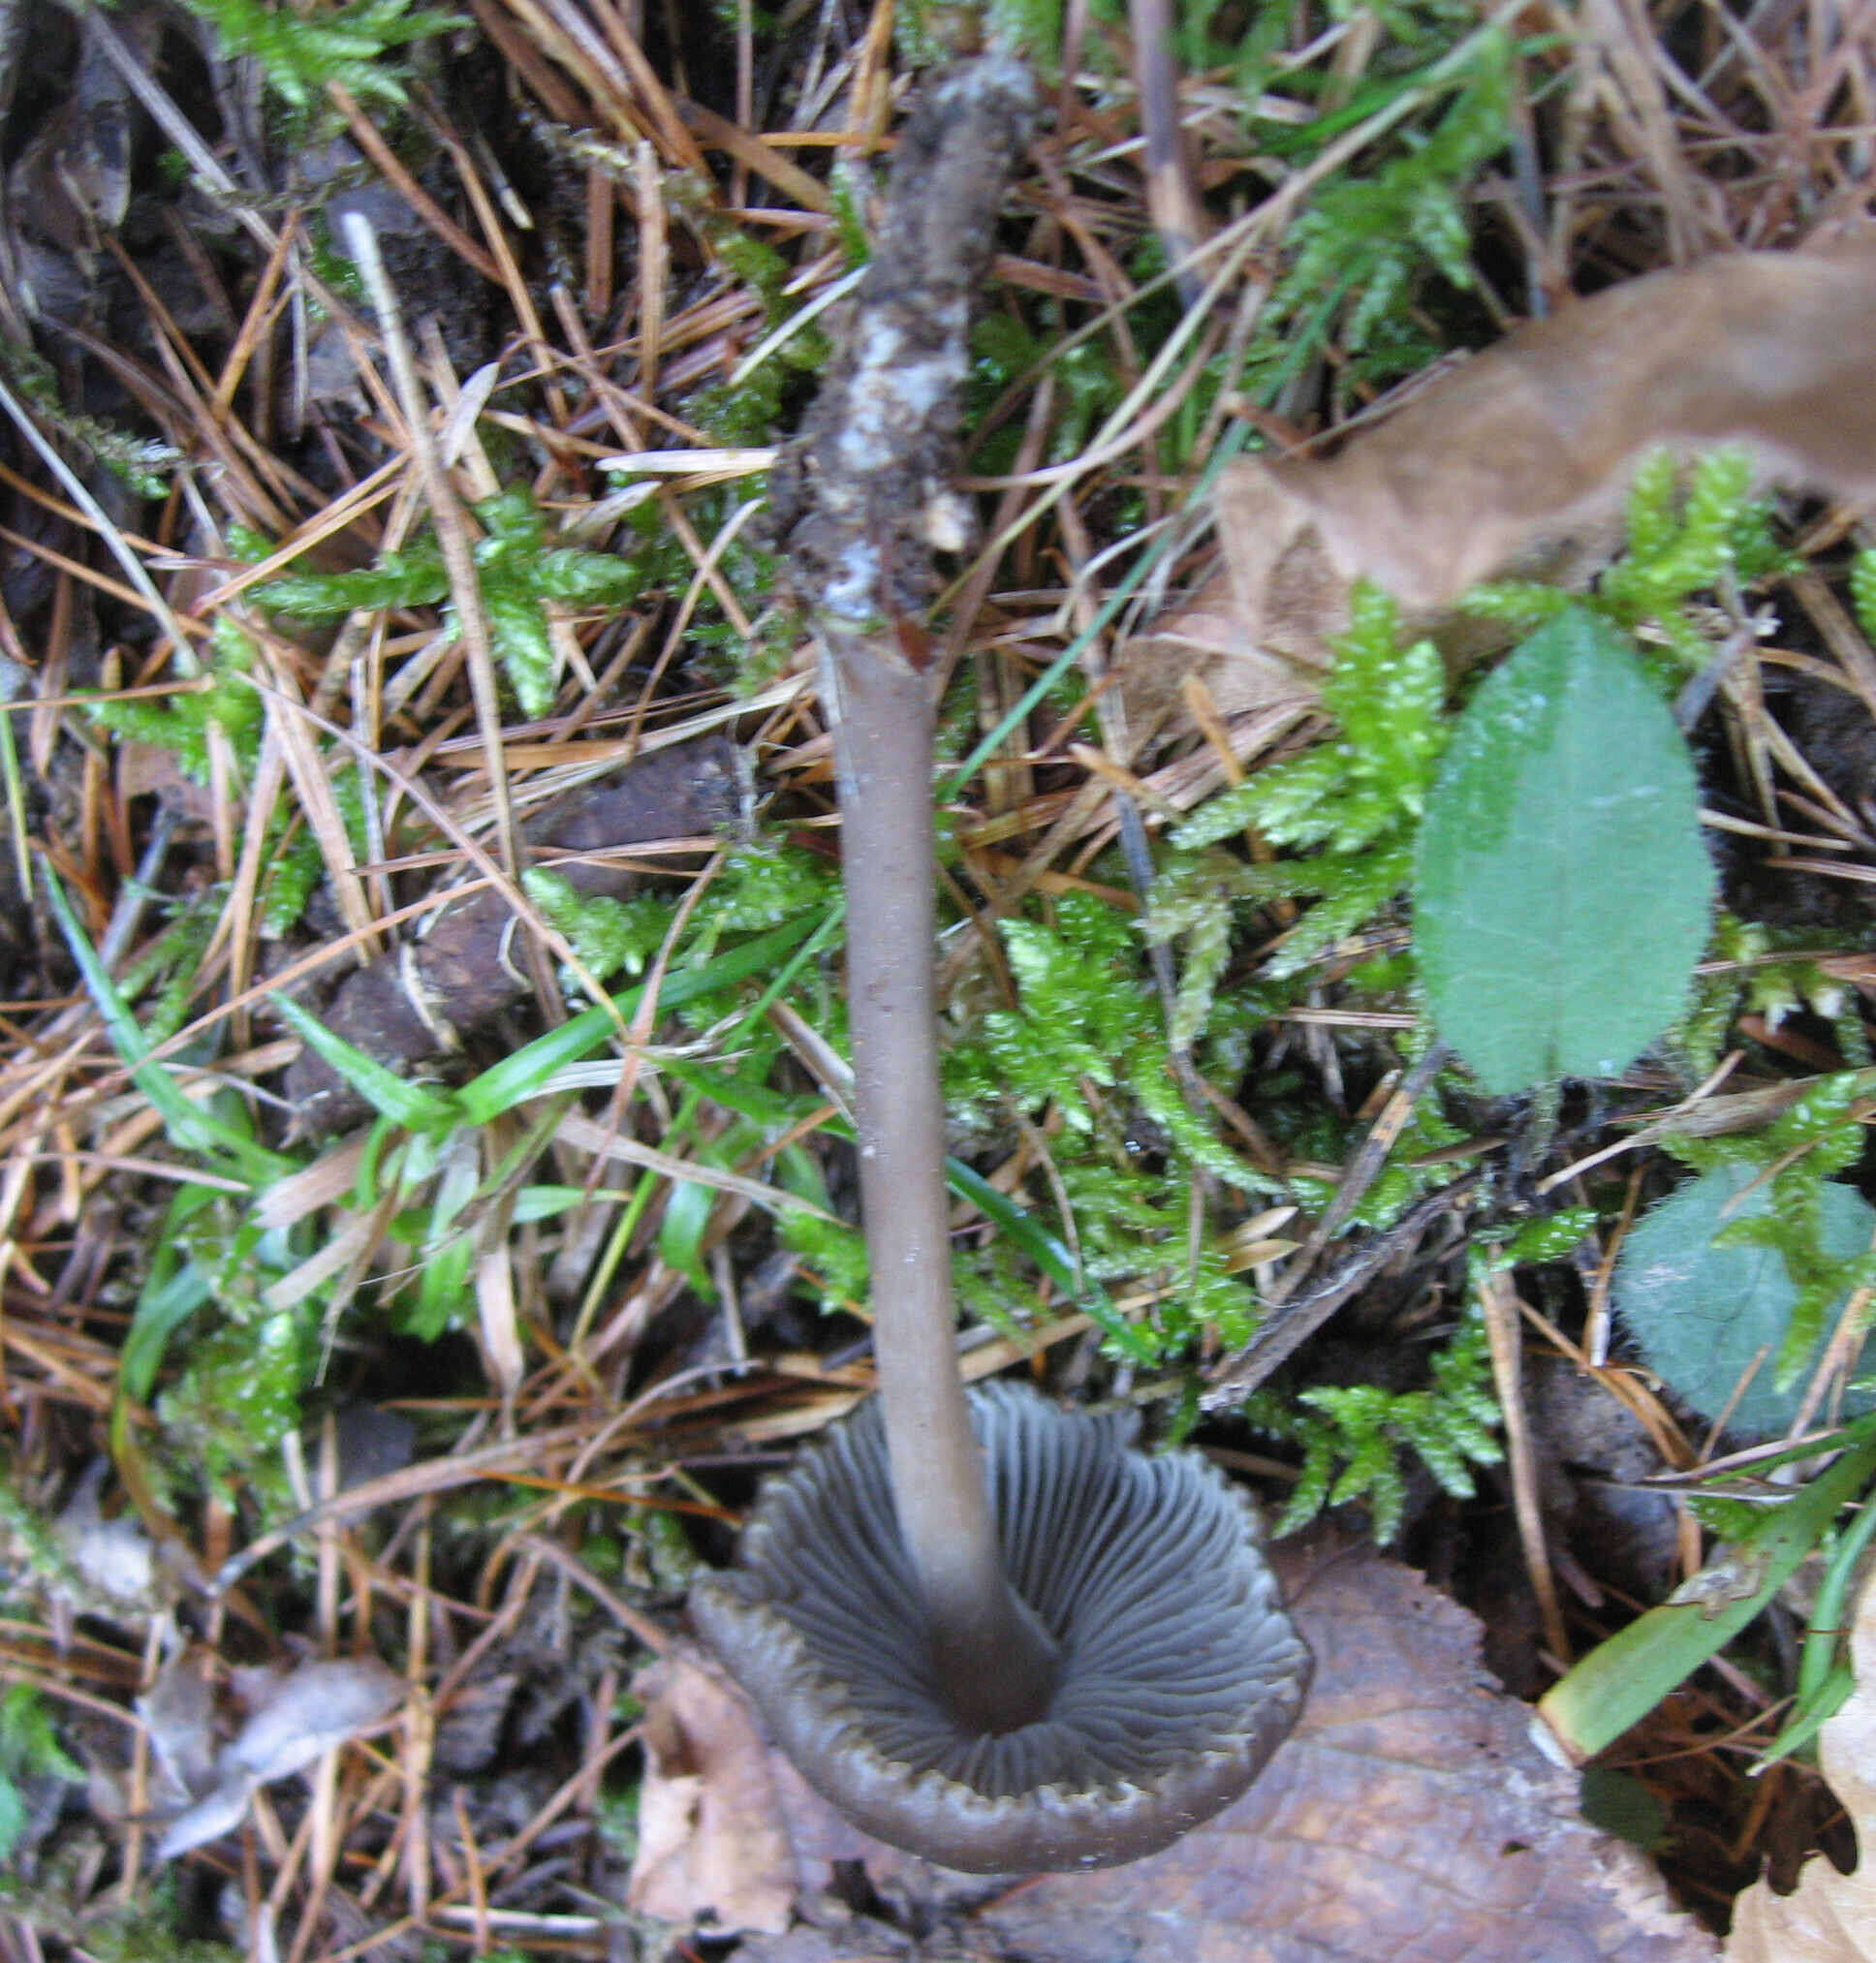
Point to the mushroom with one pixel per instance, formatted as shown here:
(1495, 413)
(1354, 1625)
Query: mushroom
(1175, 1674)
(987, 1631)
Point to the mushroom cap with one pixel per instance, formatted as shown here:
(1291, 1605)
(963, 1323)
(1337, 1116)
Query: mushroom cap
(1179, 1673)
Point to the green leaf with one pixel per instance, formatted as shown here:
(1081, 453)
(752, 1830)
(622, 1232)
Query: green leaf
(1562, 892)
(1702, 1304)
(1621, 1804)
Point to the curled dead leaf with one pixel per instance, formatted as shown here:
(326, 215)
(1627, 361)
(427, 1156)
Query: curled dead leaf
(294, 1716)
(1520, 458)
(710, 1838)
(1528, 447)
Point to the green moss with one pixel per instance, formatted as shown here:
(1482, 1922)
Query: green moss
(519, 573)
(141, 463)
(28, 1541)
(744, 417)
(1689, 534)
(830, 1258)
(30, 1753)
(1355, 799)
(1083, 1051)
(1862, 590)
(411, 577)
(239, 1378)
(144, 1931)
(1356, 1438)
(220, 699)
(607, 934)
(302, 53)
(1370, 236)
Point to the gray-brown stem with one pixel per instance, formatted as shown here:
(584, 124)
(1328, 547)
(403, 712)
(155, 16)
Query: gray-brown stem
(995, 1661)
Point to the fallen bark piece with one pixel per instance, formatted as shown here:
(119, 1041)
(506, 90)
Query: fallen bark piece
(1828, 1918)
(1520, 458)
(427, 996)
(1408, 1820)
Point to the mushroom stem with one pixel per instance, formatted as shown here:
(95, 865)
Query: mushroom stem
(995, 1662)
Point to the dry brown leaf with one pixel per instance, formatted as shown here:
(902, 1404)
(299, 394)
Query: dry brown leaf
(711, 1839)
(1520, 458)
(1828, 1918)
(1408, 1820)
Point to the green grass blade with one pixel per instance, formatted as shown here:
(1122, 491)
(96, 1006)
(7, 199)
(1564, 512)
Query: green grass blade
(160, 1311)
(1811, 1715)
(1228, 444)
(521, 1076)
(1620, 1681)
(191, 1128)
(830, 924)
(742, 1094)
(1049, 1254)
(415, 1106)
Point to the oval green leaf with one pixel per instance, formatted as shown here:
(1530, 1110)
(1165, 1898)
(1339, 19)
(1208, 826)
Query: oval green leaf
(1562, 893)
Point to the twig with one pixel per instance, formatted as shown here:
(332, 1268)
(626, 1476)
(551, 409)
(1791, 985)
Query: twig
(1363, 1170)
(451, 529)
(1172, 197)
(1499, 1300)
(1239, 1375)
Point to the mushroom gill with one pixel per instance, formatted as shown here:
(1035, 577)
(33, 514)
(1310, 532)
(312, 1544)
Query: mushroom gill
(1177, 1676)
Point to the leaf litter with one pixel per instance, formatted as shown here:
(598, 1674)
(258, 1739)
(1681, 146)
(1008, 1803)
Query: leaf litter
(295, 1717)
(628, 157)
